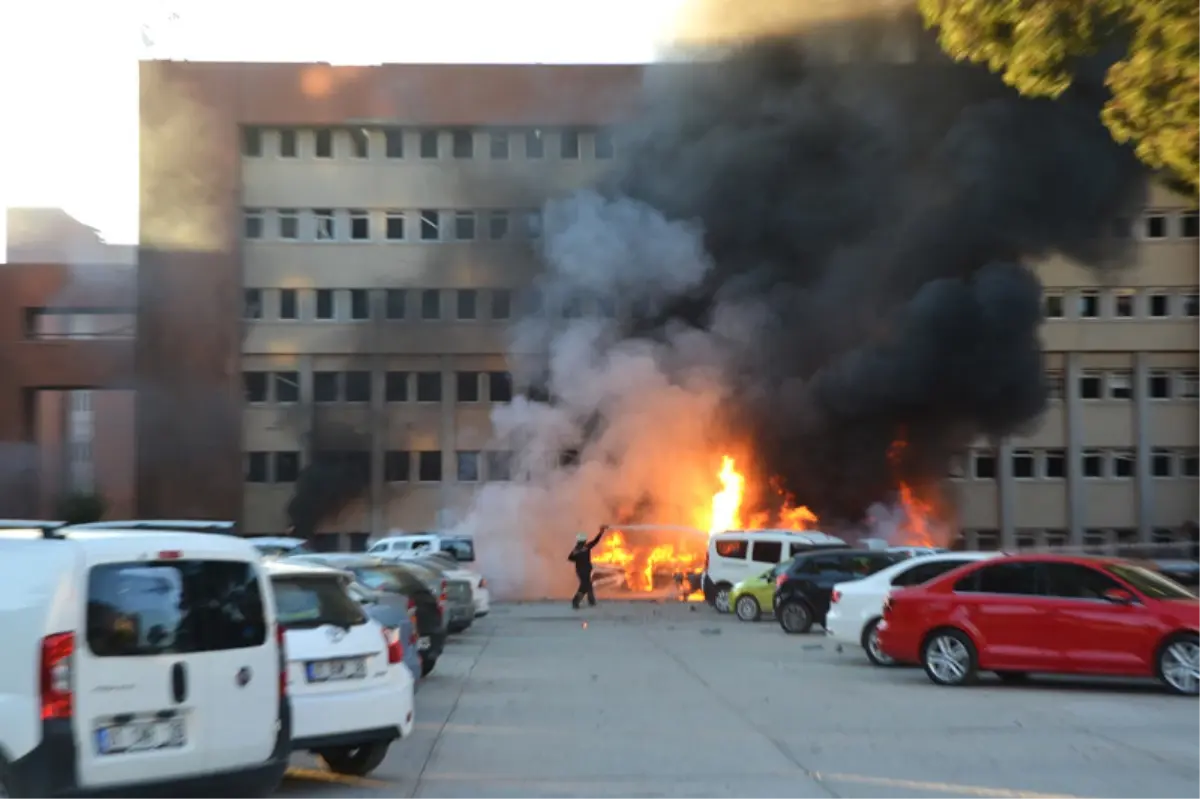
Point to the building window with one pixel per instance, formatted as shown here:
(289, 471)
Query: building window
(253, 223)
(1095, 539)
(1189, 225)
(603, 145)
(358, 386)
(463, 144)
(287, 304)
(533, 224)
(394, 302)
(499, 387)
(360, 142)
(987, 540)
(254, 385)
(1054, 385)
(429, 386)
(429, 466)
(1124, 464)
(1154, 225)
(325, 309)
(1089, 304)
(535, 145)
(983, 465)
(287, 143)
(1055, 464)
(429, 144)
(287, 467)
(466, 301)
(1091, 385)
(395, 226)
(532, 302)
(431, 305)
(468, 467)
(1189, 464)
(1162, 463)
(396, 387)
(323, 143)
(360, 305)
(569, 144)
(325, 386)
(360, 225)
(287, 387)
(393, 142)
(1093, 463)
(326, 224)
(1053, 305)
(1120, 385)
(1159, 385)
(498, 145)
(498, 225)
(1123, 304)
(289, 224)
(1189, 304)
(501, 304)
(1159, 304)
(1188, 385)
(252, 304)
(1023, 464)
(256, 467)
(467, 386)
(252, 142)
(430, 220)
(499, 466)
(464, 225)
(397, 466)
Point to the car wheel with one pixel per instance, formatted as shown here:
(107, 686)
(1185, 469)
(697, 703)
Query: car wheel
(1013, 676)
(870, 645)
(747, 608)
(357, 761)
(427, 665)
(795, 617)
(721, 598)
(1179, 664)
(949, 658)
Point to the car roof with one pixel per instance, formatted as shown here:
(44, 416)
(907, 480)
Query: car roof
(279, 568)
(276, 541)
(1065, 557)
(343, 558)
(811, 536)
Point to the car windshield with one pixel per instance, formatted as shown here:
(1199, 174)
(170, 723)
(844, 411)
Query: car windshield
(461, 549)
(1149, 583)
(378, 578)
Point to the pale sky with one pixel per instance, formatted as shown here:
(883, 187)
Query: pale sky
(68, 135)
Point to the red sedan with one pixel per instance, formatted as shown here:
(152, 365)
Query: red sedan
(1047, 613)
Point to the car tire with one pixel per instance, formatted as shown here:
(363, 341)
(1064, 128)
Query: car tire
(427, 665)
(355, 761)
(746, 608)
(949, 658)
(795, 616)
(1176, 664)
(721, 598)
(870, 645)
(1013, 677)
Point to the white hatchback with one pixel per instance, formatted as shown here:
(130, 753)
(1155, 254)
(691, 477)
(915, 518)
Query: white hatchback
(856, 607)
(352, 695)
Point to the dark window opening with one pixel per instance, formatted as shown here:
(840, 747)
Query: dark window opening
(1023, 465)
(1156, 226)
(255, 386)
(1090, 387)
(1160, 385)
(467, 386)
(1160, 305)
(252, 142)
(499, 466)
(358, 386)
(360, 304)
(500, 387)
(468, 467)
(393, 141)
(535, 145)
(1161, 463)
(252, 304)
(360, 143)
(287, 387)
(430, 220)
(287, 467)
(464, 226)
(431, 305)
(394, 302)
(396, 387)
(324, 303)
(1056, 464)
(324, 143)
(429, 466)
(1190, 225)
(569, 144)
(985, 466)
(429, 386)
(287, 304)
(395, 226)
(498, 225)
(498, 146)
(766, 552)
(360, 225)
(325, 386)
(397, 466)
(466, 301)
(1093, 464)
(287, 143)
(256, 467)
(463, 144)
(429, 144)
(501, 304)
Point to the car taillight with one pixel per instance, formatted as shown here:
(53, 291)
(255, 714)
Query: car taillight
(395, 649)
(56, 676)
(780, 580)
(833, 599)
(442, 598)
(281, 641)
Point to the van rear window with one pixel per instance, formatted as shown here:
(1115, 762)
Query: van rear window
(173, 607)
(733, 548)
(306, 602)
(461, 549)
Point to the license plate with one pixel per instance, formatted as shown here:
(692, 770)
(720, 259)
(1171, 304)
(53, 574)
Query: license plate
(141, 736)
(423, 643)
(343, 669)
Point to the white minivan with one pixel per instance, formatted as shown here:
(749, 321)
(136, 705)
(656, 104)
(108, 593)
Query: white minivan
(738, 555)
(138, 661)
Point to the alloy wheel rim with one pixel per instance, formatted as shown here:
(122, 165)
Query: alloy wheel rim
(794, 616)
(947, 659)
(1181, 666)
(722, 600)
(873, 644)
(745, 610)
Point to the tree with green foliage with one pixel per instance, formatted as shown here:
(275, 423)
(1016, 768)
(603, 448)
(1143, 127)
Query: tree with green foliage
(1034, 44)
(81, 508)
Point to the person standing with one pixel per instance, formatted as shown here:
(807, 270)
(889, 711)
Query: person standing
(581, 556)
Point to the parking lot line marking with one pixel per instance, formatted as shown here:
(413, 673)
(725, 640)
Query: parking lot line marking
(940, 787)
(316, 775)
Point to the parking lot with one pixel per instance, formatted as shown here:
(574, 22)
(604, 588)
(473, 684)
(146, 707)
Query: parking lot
(669, 699)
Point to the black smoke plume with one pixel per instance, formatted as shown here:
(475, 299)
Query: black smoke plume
(336, 474)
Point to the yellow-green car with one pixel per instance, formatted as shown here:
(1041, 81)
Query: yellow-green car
(749, 597)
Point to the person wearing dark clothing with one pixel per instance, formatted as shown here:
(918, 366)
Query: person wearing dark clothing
(581, 556)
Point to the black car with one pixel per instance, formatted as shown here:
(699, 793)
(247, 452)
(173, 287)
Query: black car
(805, 585)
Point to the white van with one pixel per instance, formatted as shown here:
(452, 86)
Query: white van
(737, 555)
(138, 661)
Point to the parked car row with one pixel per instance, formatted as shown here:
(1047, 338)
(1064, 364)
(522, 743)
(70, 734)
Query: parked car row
(172, 656)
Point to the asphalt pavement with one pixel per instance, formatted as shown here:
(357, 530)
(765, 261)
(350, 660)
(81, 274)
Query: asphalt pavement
(669, 699)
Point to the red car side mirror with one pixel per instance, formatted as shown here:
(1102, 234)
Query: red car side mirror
(1118, 596)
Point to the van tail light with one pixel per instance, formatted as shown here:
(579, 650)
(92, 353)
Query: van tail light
(57, 700)
(442, 599)
(835, 597)
(780, 580)
(281, 641)
(395, 649)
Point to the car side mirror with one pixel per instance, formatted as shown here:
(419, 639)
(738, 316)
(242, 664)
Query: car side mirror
(1118, 596)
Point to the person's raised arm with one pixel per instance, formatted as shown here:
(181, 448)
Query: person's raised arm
(599, 535)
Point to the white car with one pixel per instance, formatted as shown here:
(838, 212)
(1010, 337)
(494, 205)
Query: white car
(856, 607)
(737, 555)
(352, 695)
(272, 546)
(138, 661)
(458, 549)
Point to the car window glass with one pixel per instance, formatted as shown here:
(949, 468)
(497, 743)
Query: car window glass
(179, 606)
(733, 548)
(766, 551)
(1002, 578)
(1150, 583)
(1076, 581)
(306, 602)
(924, 572)
(377, 579)
(461, 549)
(821, 564)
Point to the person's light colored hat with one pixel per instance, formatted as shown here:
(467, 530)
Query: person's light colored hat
(580, 538)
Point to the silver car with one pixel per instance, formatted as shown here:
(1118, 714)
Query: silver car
(460, 597)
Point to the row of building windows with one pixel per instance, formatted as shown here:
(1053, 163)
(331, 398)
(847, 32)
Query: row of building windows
(393, 225)
(1160, 224)
(399, 466)
(1118, 384)
(1122, 303)
(1095, 464)
(397, 143)
(356, 386)
(1094, 538)
(364, 305)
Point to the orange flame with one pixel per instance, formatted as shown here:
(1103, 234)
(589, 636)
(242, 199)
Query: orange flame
(918, 519)
(727, 503)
